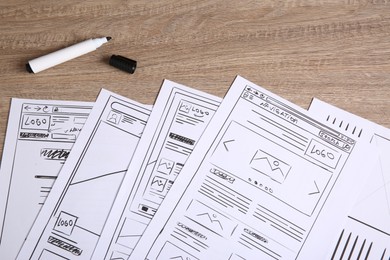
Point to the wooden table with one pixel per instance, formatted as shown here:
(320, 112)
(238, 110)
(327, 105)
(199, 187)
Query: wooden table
(337, 51)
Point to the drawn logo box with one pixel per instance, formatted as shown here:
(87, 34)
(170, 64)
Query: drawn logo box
(323, 154)
(65, 223)
(36, 122)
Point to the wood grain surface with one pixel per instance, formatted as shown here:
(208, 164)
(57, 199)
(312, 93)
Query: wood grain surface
(337, 51)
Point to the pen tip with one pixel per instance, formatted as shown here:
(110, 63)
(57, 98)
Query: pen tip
(108, 38)
(28, 68)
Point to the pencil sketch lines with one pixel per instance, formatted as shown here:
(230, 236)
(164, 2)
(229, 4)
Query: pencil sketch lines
(317, 190)
(158, 183)
(102, 176)
(236, 257)
(152, 162)
(224, 195)
(385, 185)
(55, 154)
(376, 197)
(279, 223)
(165, 166)
(130, 232)
(212, 218)
(185, 107)
(215, 221)
(171, 251)
(355, 246)
(270, 166)
(226, 142)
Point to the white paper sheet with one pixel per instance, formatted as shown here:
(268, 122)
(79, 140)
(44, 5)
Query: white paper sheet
(264, 182)
(71, 220)
(179, 118)
(366, 233)
(40, 134)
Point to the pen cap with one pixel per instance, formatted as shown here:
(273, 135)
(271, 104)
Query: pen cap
(123, 63)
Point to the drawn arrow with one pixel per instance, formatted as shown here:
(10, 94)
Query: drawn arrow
(27, 108)
(228, 141)
(317, 190)
(37, 108)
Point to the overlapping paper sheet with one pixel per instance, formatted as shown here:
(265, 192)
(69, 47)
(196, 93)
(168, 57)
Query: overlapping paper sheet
(72, 218)
(178, 120)
(264, 182)
(366, 233)
(39, 137)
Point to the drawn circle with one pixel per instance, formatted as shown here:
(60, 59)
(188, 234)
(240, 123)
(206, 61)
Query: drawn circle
(276, 163)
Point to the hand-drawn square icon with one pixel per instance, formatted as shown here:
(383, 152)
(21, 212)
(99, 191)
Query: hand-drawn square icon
(65, 223)
(158, 183)
(114, 117)
(165, 166)
(269, 165)
(185, 107)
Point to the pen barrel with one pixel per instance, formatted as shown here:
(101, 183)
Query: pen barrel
(63, 55)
